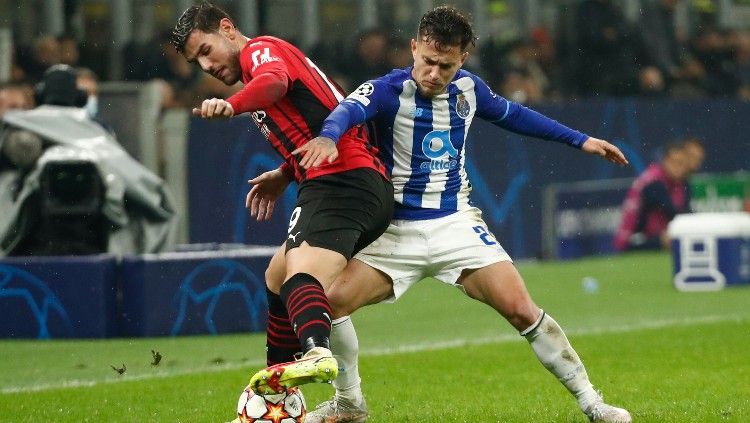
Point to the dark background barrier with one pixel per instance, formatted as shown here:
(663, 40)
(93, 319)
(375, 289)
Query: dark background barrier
(185, 293)
(58, 297)
(508, 171)
(194, 293)
(581, 218)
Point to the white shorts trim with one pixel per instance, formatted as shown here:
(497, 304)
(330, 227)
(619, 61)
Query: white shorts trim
(411, 250)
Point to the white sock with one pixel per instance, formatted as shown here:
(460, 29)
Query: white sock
(345, 347)
(553, 350)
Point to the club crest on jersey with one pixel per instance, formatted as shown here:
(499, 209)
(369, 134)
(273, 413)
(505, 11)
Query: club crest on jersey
(436, 145)
(462, 106)
(258, 117)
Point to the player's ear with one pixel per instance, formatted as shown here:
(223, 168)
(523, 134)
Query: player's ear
(226, 27)
(464, 56)
(414, 47)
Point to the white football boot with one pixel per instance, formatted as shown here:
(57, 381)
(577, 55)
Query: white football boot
(601, 412)
(338, 410)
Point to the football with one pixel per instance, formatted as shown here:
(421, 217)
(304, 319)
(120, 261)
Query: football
(288, 407)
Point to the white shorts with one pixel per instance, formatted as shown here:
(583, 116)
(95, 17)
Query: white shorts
(411, 250)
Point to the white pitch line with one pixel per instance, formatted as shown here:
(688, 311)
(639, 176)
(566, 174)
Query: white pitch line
(418, 347)
(598, 330)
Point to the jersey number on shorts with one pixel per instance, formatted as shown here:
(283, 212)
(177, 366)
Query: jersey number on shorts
(293, 219)
(484, 235)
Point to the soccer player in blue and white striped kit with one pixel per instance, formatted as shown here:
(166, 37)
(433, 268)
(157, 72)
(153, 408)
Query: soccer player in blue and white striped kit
(422, 116)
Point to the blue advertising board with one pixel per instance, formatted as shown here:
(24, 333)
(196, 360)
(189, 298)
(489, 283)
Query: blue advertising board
(58, 297)
(581, 218)
(186, 293)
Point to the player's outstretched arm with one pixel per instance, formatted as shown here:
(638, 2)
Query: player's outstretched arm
(263, 91)
(267, 188)
(213, 108)
(316, 151)
(604, 149)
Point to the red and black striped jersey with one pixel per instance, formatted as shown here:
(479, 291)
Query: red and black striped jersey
(298, 116)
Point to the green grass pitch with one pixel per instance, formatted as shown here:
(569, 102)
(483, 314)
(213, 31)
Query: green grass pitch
(435, 356)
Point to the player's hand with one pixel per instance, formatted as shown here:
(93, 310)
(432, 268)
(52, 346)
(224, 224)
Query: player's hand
(213, 108)
(316, 150)
(267, 188)
(604, 149)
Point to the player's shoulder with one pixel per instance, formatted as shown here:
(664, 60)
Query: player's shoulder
(260, 39)
(390, 83)
(267, 41)
(465, 80)
(395, 77)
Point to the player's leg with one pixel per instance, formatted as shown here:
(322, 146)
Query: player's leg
(334, 214)
(357, 286)
(308, 271)
(470, 256)
(282, 343)
(501, 286)
(401, 252)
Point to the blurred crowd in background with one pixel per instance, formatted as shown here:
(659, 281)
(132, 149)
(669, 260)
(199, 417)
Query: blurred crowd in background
(594, 51)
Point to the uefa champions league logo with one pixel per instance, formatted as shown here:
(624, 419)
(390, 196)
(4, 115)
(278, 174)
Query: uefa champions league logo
(365, 89)
(21, 287)
(233, 280)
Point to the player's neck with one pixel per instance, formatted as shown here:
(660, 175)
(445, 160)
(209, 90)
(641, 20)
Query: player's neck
(241, 40)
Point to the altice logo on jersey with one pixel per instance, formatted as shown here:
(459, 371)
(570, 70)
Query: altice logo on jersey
(436, 145)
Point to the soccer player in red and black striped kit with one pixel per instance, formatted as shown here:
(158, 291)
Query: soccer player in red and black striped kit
(342, 205)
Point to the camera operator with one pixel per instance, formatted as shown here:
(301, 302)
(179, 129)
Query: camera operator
(76, 191)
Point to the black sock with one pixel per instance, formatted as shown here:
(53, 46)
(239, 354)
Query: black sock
(308, 309)
(281, 341)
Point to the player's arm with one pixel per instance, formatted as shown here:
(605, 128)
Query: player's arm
(353, 110)
(522, 120)
(269, 84)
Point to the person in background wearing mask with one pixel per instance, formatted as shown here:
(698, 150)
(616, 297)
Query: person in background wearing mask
(87, 81)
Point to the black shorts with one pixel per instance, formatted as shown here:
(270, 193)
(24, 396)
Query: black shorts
(342, 212)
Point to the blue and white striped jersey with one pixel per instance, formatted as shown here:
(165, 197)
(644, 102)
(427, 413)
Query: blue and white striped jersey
(422, 140)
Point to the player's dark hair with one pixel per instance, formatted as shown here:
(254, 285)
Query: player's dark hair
(446, 26)
(204, 17)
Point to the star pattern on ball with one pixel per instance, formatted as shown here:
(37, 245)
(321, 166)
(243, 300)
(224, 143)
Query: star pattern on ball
(275, 412)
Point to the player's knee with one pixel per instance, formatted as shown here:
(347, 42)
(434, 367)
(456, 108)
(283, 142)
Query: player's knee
(521, 313)
(527, 317)
(273, 279)
(340, 307)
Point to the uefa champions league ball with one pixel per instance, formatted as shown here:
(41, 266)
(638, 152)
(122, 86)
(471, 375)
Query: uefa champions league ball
(288, 407)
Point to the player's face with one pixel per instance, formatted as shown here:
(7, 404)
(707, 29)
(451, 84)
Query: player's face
(434, 69)
(216, 52)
